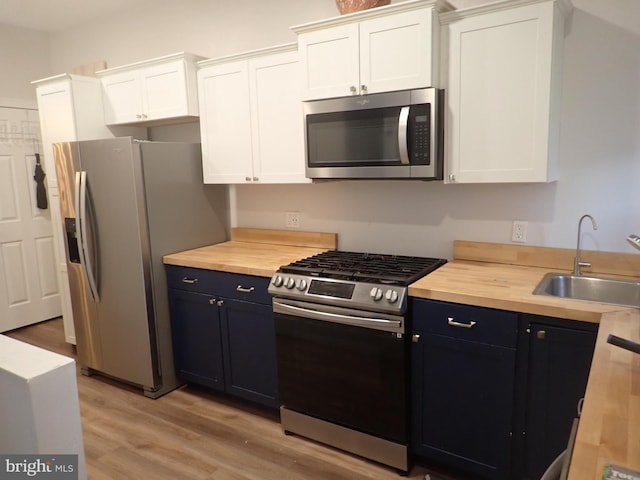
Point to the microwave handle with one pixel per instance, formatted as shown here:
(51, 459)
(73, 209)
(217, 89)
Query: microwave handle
(403, 125)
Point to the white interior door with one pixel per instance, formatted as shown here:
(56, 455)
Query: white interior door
(29, 290)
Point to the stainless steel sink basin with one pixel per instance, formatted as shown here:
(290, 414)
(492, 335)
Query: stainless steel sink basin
(595, 289)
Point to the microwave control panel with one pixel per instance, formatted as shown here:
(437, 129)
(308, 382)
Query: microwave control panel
(420, 128)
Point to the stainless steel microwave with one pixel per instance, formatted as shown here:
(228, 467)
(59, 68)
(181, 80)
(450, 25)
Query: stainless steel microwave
(395, 135)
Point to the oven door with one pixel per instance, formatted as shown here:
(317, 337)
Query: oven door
(343, 366)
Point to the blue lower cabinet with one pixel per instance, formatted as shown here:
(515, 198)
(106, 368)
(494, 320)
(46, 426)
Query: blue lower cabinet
(249, 345)
(463, 387)
(195, 326)
(224, 343)
(559, 359)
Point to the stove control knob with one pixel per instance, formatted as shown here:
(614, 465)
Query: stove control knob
(289, 283)
(391, 296)
(376, 293)
(277, 281)
(301, 285)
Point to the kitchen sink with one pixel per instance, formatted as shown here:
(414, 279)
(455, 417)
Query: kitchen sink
(594, 289)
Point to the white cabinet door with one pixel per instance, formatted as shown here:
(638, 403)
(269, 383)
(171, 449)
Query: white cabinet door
(392, 48)
(163, 91)
(225, 123)
(395, 52)
(276, 118)
(158, 89)
(503, 71)
(330, 60)
(122, 98)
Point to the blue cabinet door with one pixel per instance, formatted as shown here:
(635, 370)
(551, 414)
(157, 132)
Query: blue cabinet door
(559, 360)
(249, 345)
(463, 362)
(195, 328)
(463, 404)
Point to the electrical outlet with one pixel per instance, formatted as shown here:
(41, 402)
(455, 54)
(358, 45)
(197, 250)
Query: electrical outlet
(292, 219)
(519, 231)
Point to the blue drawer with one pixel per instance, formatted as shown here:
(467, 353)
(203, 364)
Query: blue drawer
(222, 284)
(477, 324)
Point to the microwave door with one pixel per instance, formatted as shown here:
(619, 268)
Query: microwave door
(360, 143)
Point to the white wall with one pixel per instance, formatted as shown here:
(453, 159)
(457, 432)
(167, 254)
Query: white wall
(24, 56)
(599, 145)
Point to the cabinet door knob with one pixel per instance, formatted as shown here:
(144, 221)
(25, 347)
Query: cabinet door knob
(540, 334)
(363, 89)
(353, 89)
(220, 303)
(453, 323)
(212, 301)
(415, 338)
(248, 179)
(256, 179)
(452, 177)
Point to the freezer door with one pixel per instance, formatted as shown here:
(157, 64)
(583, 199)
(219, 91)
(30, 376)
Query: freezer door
(120, 258)
(67, 161)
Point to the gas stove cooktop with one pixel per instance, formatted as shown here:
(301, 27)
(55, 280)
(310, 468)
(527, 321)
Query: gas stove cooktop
(368, 281)
(365, 267)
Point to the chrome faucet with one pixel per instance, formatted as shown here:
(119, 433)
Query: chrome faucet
(634, 240)
(578, 263)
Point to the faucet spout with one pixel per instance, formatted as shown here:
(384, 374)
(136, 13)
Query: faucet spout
(634, 240)
(578, 263)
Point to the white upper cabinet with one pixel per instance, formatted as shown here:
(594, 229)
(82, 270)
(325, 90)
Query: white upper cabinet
(503, 83)
(251, 118)
(151, 91)
(389, 48)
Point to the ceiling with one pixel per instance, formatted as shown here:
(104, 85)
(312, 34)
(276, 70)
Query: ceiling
(56, 15)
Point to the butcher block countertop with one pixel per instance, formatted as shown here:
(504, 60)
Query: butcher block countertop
(609, 428)
(504, 277)
(255, 251)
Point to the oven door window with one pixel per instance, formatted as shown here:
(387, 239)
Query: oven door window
(351, 376)
(355, 138)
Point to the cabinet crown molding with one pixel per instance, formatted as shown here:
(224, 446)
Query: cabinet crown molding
(287, 47)
(439, 6)
(64, 76)
(565, 7)
(188, 57)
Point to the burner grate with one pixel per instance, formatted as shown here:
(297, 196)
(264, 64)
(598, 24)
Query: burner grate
(365, 267)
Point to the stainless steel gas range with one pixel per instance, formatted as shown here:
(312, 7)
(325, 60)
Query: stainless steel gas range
(342, 350)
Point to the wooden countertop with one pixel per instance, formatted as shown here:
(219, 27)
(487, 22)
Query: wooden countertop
(609, 428)
(254, 251)
(505, 287)
(504, 277)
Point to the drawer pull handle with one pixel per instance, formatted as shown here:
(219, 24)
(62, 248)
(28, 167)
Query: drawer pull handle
(190, 281)
(241, 289)
(453, 323)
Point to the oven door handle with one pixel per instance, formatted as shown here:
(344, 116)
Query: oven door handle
(370, 322)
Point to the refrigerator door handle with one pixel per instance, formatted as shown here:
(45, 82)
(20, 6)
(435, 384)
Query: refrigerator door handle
(85, 256)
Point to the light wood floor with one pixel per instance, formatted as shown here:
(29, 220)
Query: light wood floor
(192, 433)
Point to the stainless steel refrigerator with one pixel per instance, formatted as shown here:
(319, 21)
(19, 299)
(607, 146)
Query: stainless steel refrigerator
(124, 204)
